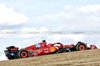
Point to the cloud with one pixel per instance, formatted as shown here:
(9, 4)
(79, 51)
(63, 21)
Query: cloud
(6, 33)
(9, 17)
(83, 18)
(67, 7)
(34, 29)
(65, 39)
(32, 32)
(89, 8)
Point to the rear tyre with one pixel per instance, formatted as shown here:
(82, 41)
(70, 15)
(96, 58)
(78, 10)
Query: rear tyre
(80, 46)
(23, 53)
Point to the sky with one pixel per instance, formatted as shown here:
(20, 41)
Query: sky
(54, 20)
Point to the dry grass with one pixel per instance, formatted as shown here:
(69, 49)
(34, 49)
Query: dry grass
(78, 58)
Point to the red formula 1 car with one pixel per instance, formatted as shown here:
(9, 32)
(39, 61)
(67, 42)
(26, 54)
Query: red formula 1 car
(42, 48)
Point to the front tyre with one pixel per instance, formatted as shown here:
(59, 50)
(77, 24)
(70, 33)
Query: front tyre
(80, 46)
(23, 53)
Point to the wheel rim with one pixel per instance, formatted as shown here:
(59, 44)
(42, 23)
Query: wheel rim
(24, 54)
(81, 47)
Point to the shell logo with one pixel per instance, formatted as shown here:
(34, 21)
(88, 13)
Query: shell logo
(52, 49)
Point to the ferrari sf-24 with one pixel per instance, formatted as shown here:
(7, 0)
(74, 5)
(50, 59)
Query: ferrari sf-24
(43, 48)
